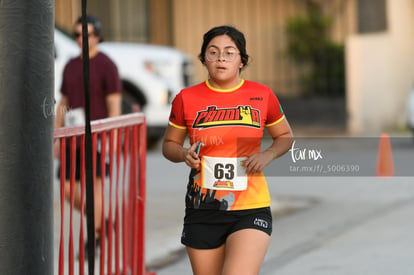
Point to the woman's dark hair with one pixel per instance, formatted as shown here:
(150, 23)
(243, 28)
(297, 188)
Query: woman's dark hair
(235, 35)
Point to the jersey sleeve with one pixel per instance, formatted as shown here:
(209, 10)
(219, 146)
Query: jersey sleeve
(275, 112)
(177, 113)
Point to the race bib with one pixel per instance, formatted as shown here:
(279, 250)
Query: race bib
(223, 173)
(75, 117)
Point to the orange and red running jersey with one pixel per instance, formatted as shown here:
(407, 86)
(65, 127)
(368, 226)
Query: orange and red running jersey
(230, 125)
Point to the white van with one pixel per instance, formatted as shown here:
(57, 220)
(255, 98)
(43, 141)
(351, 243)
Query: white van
(151, 76)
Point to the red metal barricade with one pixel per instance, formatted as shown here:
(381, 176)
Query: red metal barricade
(122, 145)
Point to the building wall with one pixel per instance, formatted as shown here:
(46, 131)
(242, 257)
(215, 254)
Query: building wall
(379, 65)
(181, 23)
(380, 73)
(160, 22)
(125, 20)
(66, 12)
(263, 23)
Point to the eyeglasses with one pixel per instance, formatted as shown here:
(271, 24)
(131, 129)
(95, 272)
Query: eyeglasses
(213, 54)
(76, 35)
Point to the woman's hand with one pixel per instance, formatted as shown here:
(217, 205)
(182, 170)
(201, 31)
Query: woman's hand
(191, 157)
(282, 142)
(257, 162)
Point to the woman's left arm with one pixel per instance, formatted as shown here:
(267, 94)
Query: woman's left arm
(282, 136)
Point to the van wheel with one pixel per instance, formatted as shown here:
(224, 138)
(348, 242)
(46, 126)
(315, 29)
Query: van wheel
(130, 103)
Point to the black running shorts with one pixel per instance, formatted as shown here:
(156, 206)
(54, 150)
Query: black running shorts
(207, 229)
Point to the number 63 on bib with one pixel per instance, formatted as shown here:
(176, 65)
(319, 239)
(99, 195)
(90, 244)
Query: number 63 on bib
(223, 173)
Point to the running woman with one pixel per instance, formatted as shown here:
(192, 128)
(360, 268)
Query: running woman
(228, 222)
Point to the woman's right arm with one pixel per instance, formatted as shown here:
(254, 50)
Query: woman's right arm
(173, 150)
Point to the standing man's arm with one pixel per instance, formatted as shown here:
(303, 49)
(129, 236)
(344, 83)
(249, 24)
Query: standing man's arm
(60, 122)
(113, 104)
(61, 112)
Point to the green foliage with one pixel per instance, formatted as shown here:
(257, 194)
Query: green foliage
(310, 45)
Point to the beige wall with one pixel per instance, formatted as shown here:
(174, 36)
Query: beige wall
(66, 12)
(124, 20)
(380, 67)
(263, 23)
(160, 22)
(380, 73)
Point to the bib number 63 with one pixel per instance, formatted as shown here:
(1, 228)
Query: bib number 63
(223, 173)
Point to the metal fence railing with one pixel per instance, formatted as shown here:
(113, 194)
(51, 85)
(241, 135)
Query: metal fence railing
(121, 143)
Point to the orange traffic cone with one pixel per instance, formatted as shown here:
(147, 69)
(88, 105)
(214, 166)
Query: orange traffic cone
(385, 162)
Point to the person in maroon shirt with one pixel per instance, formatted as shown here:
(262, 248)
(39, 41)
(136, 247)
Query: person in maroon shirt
(105, 99)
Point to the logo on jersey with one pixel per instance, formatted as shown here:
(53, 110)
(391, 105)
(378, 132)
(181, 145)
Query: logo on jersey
(242, 116)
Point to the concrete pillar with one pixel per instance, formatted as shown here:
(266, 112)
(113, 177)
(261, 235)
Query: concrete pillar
(26, 136)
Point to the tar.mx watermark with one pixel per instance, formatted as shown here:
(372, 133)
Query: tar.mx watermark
(304, 154)
(49, 108)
